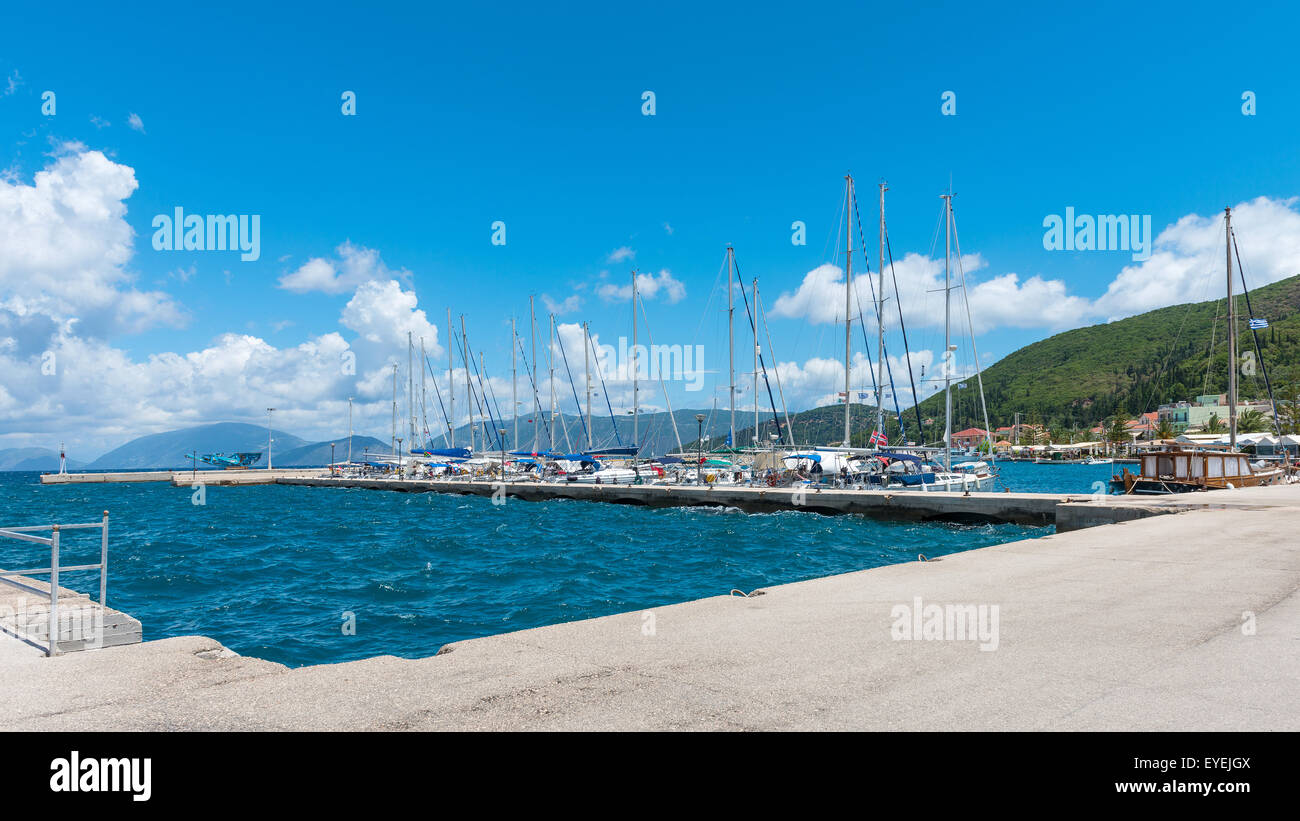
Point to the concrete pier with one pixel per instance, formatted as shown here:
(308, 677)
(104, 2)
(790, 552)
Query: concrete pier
(1067, 511)
(96, 478)
(179, 478)
(1064, 510)
(1021, 508)
(1177, 622)
(82, 622)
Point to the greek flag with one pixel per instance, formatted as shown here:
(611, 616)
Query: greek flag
(1258, 324)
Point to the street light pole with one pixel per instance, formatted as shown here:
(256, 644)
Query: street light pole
(399, 457)
(699, 446)
(502, 439)
(269, 411)
(332, 457)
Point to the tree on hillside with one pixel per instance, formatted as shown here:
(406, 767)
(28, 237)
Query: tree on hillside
(1288, 407)
(1117, 433)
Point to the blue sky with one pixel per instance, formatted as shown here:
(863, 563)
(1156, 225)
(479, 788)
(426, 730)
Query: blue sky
(533, 116)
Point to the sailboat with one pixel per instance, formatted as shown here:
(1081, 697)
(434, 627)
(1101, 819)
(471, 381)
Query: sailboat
(1178, 469)
(905, 468)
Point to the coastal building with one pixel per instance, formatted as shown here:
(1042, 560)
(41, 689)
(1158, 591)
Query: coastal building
(969, 438)
(1176, 414)
(1144, 426)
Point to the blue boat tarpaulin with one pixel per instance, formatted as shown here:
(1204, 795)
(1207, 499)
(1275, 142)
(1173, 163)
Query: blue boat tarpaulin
(448, 453)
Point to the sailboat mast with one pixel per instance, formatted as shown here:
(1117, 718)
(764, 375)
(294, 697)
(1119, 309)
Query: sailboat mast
(586, 355)
(393, 444)
(550, 361)
(514, 380)
(451, 386)
(424, 397)
(410, 386)
(1232, 335)
(731, 342)
(848, 288)
(537, 405)
(469, 386)
(755, 324)
(487, 432)
(880, 320)
(636, 398)
(947, 332)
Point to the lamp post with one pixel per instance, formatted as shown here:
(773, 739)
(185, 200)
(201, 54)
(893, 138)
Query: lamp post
(699, 446)
(331, 457)
(349, 430)
(269, 411)
(399, 457)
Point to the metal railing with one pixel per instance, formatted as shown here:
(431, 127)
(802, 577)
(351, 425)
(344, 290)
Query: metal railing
(52, 541)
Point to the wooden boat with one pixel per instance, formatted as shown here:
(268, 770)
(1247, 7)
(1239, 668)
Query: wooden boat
(1179, 470)
(1182, 471)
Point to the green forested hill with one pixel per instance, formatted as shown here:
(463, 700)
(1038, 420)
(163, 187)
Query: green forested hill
(1077, 379)
(1081, 377)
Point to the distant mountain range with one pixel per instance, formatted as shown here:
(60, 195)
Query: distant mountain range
(654, 429)
(170, 449)
(815, 426)
(318, 454)
(42, 459)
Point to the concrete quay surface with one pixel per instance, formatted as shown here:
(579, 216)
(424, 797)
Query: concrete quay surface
(1175, 622)
(973, 507)
(81, 622)
(184, 478)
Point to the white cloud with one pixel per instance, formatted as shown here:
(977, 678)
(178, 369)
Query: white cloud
(65, 289)
(649, 286)
(620, 254)
(382, 313)
(352, 266)
(99, 396)
(1187, 264)
(819, 298)
(65, 244)
(135, 122)
(570, 304)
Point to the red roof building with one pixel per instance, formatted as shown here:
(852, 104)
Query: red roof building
(969, 438)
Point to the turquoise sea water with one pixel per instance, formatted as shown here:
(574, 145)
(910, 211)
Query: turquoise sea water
(270, 571)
